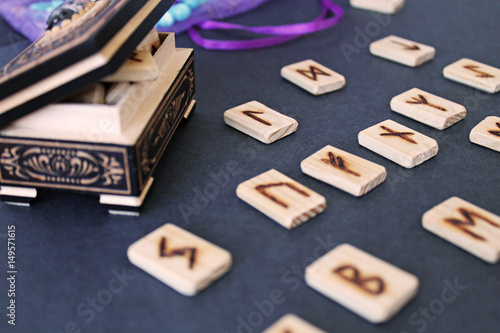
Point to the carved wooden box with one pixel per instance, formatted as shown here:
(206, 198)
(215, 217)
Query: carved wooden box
(110, 150)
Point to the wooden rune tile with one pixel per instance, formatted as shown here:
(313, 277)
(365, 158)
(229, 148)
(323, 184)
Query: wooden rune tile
(260, 122)
(381, 6)
(362, 283)
(343, 170)
(141, 66)
(428, 109)
(150, 43)
(487, 133)
(313, 77)
(474, 74)
(398, 143)
(281, 198)
(467, 226)
(292, 324)
(402, 50)
(92, 95)
(181, 260)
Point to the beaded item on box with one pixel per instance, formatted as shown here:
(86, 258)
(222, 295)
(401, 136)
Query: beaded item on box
(180, 11)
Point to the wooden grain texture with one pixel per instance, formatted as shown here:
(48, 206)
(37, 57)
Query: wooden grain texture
(487, 133)
(428, 109)
(468, 226)
(181, 260)
(313, 77)
(260, 122)
(381, 6)
(402, 50)
(343, 170)
(291, 323)
(398, 143)
(281, 198)
(474, 74)
(364, 284)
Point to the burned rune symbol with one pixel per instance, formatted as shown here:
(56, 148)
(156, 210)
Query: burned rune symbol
(402, 135)
(134, 57)
(495, 132)
(190, 251)
(474, 68)
(262, 190)
(413, 47)
(422, 100)
(338, 162)
(312, 73)
(373, 285)
(252, 114)
(470, 216)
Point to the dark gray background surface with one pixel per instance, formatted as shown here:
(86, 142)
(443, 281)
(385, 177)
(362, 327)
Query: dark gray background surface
(69, 249)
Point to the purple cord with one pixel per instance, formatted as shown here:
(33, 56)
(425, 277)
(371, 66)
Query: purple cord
(281, 34)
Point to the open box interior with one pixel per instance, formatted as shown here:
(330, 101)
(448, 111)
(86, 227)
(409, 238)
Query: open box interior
(119, 123)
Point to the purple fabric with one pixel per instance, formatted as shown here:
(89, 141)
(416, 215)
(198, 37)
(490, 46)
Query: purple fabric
(31, 22)
(214, 10)
(283, 33)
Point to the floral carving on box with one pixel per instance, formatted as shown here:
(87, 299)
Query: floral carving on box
(65, 166)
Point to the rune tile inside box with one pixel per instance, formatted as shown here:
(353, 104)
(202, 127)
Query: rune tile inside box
(428, 109)
(381, 6)
(474, 74)
(281, 198)
(402, 50)
(151, 42)
(139, 67)
(364, 284)
(292, 324)
(313, 77)
(398, 143)
(260, 122)
(467, 226)
(343, 170)
(181, 260)
(487, 133)
(95, 94)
